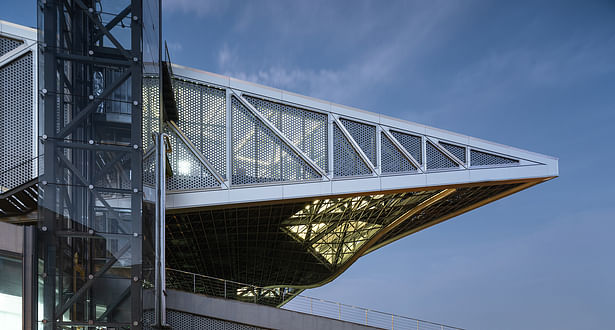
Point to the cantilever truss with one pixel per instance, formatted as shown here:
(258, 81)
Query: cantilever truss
(284, 191)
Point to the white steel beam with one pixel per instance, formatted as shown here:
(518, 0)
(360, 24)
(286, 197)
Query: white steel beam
(175, 129)
(354, 145)
(402, 149)
(446, 152)
(280, 135)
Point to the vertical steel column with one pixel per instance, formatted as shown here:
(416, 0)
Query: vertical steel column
(29, 280)
(159, 286)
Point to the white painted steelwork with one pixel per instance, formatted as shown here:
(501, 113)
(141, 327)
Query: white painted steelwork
(445, 158)
(18, 105)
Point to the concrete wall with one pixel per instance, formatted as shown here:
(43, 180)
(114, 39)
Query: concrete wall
(246, 313)
(11, 238)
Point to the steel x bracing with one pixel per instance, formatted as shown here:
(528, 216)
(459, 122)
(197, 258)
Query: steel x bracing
(91, 186)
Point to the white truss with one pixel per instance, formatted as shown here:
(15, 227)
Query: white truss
(437, 166)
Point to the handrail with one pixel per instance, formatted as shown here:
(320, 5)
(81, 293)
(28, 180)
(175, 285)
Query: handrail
(213, 286)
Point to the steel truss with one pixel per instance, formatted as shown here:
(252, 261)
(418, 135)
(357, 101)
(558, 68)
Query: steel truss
(91, 186)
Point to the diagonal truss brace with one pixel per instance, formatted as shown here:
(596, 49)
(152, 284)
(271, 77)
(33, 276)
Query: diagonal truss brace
(91, 280)
(446, 152)
(354, 144)
(175, 129)
(102, 28)
(114, 21)
(401, 149)
(93, 105)
(14, 54)
(279, 134)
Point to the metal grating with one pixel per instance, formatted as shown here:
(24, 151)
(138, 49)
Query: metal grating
(259, 156)
(438, 160)
(16, 122)
(457, 151)
(151, 111)
(188, 172)
(479, 158)
(392, 159)
(202, 118)
(8, 44)
(306, 129)
(346, 160)
(412, 144)
(460, 199)
(286, 243)
(364, 135)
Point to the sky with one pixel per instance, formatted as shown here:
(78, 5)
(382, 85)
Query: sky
(537, 75)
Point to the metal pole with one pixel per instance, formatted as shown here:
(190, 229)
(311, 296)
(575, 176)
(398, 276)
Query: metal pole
(311, 312)
(366, 317)
(30, 279)
(417, 324)
(339, 306)
(224, 289)
(159, 288)
(392, 321)
(194, 282)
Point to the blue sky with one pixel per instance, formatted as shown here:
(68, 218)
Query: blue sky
(538, 75)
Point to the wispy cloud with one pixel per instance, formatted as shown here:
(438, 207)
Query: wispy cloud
(198, 7)
(382, 62)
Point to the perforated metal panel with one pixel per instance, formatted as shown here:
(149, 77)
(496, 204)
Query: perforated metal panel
(151, 112)
(412, 144)
(346, 161)
(188, 172)
(186, 321)
(457, 151)
(148, 319)
(149, 169)
(259, 156)
(202, 118)
(392, 159)
(16, 122)
(438, 160)
(479, 158)
(8, 44)
(306, 129)
(364, 135)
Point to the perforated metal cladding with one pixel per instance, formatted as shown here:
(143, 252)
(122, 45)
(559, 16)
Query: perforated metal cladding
(306, 129)
(259, 156)
(16, 122)
(202, 118)
(438, 160)
(8, 44)
(151, 110)
(149, 169)
(188, 172)
(186, 321)
(457, 151)
(392, 159)
(346, 161)
(479, 158)
(364, 135)
(411, 143)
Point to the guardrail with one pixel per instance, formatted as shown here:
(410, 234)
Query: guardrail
(212, 286)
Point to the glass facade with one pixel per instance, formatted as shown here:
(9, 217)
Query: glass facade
(10, 292)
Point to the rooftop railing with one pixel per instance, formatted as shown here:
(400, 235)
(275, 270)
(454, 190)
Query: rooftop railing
(211, 286)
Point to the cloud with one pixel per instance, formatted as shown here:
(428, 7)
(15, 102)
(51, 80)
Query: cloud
(377, 64)
(198, 7)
